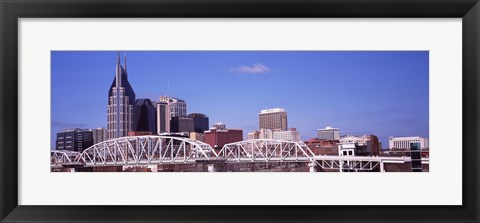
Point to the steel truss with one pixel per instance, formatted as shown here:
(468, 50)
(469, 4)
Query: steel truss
(144, 150)
(60, 157)
(350, 165)
(266, 150)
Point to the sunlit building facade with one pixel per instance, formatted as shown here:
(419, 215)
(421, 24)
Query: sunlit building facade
(275, 118)
(121, 99)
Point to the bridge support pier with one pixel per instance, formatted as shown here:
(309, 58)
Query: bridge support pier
(382, 167)
(211, 168)
(312, 166)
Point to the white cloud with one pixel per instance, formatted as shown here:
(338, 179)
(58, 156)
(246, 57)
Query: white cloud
(255, 69)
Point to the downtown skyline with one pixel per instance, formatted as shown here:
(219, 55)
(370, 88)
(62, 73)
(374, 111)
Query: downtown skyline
(376, 92)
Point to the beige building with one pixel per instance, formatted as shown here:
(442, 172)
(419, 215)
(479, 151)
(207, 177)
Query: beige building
(261, 134)
(289, 135)
(197, 136)
(98, 135)
(275, 118)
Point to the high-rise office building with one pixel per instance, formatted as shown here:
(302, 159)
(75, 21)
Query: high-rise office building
(181, 124)
(99, 135)
(200, 122)
(163, 117)
(145, 116)
(275, 118)
(328, 133)
(121, 99)
(178, 107)
(74, 140)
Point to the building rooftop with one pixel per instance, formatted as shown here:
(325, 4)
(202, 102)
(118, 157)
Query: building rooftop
(271, 110)
(328, 128)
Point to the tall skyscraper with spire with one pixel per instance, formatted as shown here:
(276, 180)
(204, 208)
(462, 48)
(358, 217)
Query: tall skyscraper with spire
(121, 99)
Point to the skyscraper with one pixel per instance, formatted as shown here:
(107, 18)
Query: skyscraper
(144, 116)
(275, 118)
(121, 99)
(99, 135)
(163, 117)
(181, 124)
(200, 122)
(178, 107)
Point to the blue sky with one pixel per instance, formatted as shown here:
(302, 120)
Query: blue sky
(384, 93)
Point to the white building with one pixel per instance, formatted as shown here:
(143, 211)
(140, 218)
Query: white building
(219, 126)
(261, 134)
(178, 107)
(347, 149)
(359, 139)
(366, 144)
(404, 142)
(328, 133)
(289, 135)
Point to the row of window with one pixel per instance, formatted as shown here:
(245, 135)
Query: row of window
(404, 144)
(113, 117)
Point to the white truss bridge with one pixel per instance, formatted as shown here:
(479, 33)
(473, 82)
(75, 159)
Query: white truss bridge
(155, 150)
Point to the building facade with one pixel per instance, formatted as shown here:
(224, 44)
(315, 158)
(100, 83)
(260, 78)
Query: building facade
(275, 118)
(219, 125)
(200, 122)
(217, 138)
(145, 116)
(98, 135)
(197, 136)
(328, 133)
(74, 140)
(404, 142)
(181, 124)
(163, 117)
(348, 149)
(121, 99)
(178, 107)
(323, 147)
(140, 133)
(364, 144)
(289, 135)
(261, 134)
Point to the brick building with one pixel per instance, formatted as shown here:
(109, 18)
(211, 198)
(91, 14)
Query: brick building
(216, 137)
(323, 147)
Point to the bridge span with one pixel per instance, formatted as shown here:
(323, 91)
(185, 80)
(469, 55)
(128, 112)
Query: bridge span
(158, 150)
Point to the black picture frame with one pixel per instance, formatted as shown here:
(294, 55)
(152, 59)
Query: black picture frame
(11, 11)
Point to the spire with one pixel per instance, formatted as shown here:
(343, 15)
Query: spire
(125, 59)
(118, 74)
(118, 58)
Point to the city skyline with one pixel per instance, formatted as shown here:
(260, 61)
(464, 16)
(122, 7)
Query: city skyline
(356, 91)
